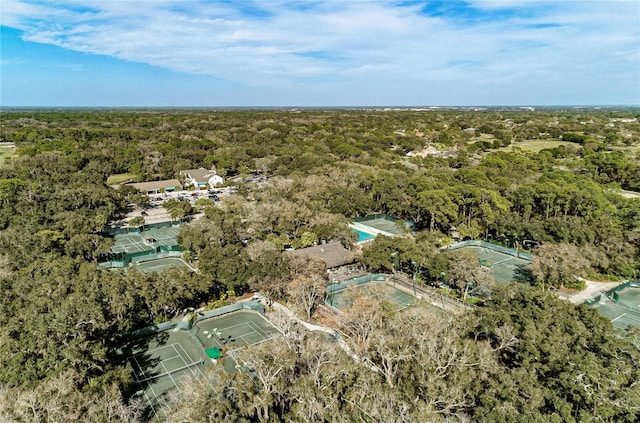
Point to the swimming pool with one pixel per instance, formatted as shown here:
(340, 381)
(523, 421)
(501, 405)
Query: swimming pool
(363, 236)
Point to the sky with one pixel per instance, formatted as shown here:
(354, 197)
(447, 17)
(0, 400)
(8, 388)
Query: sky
(324, 53)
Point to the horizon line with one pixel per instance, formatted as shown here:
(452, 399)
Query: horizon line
(354, 107)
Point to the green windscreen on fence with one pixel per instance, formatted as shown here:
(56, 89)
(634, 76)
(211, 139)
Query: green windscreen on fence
(356, 281)
(490, 246)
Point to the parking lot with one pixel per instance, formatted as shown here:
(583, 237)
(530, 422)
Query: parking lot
(213, 194)
(156, 213)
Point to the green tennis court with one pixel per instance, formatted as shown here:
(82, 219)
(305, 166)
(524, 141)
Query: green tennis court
(130, 243)
(343, 299)
(148, 240)
(160, 264)
(505, 268)
(630, 298)
(620, 315)
(240, 328)
(161, 363)
(380, 224)
(233, 331)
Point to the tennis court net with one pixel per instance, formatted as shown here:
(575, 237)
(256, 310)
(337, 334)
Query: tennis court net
(169, 373)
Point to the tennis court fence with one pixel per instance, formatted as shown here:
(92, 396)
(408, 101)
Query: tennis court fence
(118, 260)
(197, 316)
(614, 294)
(490, 246)
(137, 230)
(336, 287)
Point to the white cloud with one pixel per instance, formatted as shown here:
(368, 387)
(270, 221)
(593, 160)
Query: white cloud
(289, 41)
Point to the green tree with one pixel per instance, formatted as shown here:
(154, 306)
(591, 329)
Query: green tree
(178, 208)
(561, 362)
(438, 206)
(136, 222)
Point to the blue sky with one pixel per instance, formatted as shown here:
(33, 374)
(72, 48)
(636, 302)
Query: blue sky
(319, 53)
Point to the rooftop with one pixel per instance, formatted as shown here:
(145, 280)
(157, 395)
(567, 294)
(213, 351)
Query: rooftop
(200, 174)
(332, 254)
(156, 185)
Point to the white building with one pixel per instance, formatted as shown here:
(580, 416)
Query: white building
(199, 178)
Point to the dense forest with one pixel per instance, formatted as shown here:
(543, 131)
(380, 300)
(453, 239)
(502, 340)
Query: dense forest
(560, 182)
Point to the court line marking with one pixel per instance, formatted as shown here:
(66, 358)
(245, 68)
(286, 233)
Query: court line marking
(503, 261)
(146, 385)
(135, 373)
(161, 348)
(170, 375)
(628, 316)
(258, 329)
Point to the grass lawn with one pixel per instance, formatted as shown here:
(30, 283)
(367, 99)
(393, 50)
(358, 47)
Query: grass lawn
(626, 148)
(482, 137)
(7, 150)
(538, 145)
(121, 178)
(629, 194)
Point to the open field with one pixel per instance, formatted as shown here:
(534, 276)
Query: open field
(538, 145)
(626, 148)
(7, 150)
(482, 137)
(121, 178)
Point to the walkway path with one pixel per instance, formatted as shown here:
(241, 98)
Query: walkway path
(593, 290)
(309, 326)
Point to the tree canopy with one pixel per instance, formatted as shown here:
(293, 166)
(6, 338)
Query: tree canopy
(550, 178)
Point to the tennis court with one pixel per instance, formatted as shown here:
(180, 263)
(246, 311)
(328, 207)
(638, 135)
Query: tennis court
(148, 240)
(232, 331)
(629, 297)
(160, 264)
(505, 268)
(343, 299)
(620, 314)
(380, 224)
(161, 362)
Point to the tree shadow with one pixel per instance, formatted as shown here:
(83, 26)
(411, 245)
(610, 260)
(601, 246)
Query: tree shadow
(134, 355)
(523, 274)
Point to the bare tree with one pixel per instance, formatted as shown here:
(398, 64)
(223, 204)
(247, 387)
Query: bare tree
(390, 353)
(465, 272)
(557, 265)
(306, 292)
(60, 399)
(272, 289)
(270, 273)
(302, 265)
(361, 319)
